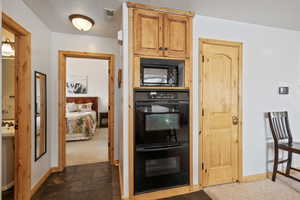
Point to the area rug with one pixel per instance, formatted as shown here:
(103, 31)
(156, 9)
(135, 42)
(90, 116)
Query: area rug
(199, 195)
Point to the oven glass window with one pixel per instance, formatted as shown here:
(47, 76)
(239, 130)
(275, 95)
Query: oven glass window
(162, 166)
(155, 75)
(162, 122)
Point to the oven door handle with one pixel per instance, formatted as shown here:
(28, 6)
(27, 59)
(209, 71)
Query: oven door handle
(158, 148)
(160, 103)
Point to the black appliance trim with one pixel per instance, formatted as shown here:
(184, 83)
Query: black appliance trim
(160, 90)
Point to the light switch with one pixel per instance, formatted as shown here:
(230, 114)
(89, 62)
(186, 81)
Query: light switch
(283, 90)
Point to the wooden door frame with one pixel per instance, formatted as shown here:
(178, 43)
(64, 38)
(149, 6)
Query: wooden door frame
(239, 45)
(63, 55)
(23, 114)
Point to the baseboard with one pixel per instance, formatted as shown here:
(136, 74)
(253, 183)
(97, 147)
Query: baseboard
(44, 178)
(56, 169)
(7, 186)
(40, 182)
(254, 177)
(261, 176)
(167, 193)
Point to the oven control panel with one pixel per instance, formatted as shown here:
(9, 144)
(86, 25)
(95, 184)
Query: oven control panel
(156, 95)
(143, 95)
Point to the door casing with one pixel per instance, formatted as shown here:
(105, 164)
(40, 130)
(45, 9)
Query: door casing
(23, 112)
(63, 55)
(239, 45)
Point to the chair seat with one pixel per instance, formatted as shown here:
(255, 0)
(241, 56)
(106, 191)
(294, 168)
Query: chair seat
(293, 147)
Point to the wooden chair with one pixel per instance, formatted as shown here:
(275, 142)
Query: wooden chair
(283, 140)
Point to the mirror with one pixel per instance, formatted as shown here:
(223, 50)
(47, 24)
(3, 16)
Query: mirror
(40, 92)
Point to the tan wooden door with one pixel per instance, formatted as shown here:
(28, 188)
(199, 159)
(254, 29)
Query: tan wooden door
(220, 86)
(176, 35)
(148, 34)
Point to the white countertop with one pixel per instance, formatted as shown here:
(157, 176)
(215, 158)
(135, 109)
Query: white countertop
(7, 132)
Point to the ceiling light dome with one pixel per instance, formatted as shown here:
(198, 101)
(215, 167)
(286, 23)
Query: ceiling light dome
(81, 22)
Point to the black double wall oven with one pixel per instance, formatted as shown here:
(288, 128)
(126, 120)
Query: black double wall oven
(161, 139)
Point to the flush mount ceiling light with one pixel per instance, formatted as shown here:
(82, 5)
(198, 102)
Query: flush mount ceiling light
(7, 48)
(81, 22)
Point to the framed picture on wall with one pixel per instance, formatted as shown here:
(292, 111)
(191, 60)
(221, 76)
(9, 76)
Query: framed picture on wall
(77, 84)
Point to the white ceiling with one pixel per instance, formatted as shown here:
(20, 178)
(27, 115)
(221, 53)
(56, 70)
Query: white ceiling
(55, 13)
(276, 13)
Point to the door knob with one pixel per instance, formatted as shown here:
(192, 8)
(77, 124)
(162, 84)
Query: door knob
(235, 120)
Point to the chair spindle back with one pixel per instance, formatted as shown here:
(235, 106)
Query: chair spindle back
(280, 127)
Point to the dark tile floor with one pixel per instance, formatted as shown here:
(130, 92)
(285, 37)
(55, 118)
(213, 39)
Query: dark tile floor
(98, 181)
(8, 195)
(84, 182)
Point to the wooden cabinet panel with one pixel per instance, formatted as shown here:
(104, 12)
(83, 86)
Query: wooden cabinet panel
(148, 35)
(177, 33)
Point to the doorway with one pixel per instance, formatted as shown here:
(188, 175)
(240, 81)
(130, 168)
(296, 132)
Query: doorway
(221, 110)
(73, 94)
(16, 106)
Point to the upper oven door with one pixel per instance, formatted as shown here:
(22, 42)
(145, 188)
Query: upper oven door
(161, 123)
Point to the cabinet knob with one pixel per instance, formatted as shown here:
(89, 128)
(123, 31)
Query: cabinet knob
(160, 48)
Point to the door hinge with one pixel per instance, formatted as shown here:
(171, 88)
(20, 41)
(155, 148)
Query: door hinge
(202, 112)
(203, 58)
(16, 125)
(203, 168)
(108, 107)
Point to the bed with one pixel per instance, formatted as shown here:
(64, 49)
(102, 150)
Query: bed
(82, 116)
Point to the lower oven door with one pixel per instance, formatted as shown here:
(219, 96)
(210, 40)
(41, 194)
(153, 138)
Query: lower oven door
(160, 168)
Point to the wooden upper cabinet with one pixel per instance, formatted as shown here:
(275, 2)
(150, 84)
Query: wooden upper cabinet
(161, 34)
(177, 35)
(148, 34)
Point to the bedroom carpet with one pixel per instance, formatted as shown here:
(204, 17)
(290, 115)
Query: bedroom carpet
(89, 151)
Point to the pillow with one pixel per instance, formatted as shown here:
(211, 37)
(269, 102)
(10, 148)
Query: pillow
(85, 107)
(71, 107)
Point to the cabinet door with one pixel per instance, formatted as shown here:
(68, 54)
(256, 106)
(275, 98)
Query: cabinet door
(148, 36)
(177, 35)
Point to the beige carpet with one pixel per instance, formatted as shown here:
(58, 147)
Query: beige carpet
(90, 151)
(282, 189)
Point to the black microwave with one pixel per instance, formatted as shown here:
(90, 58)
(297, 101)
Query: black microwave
(162, 72)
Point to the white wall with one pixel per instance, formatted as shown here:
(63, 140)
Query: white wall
(40, 41)
(124, 157)
(271, 58)
(69, 42)
(96, 72)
